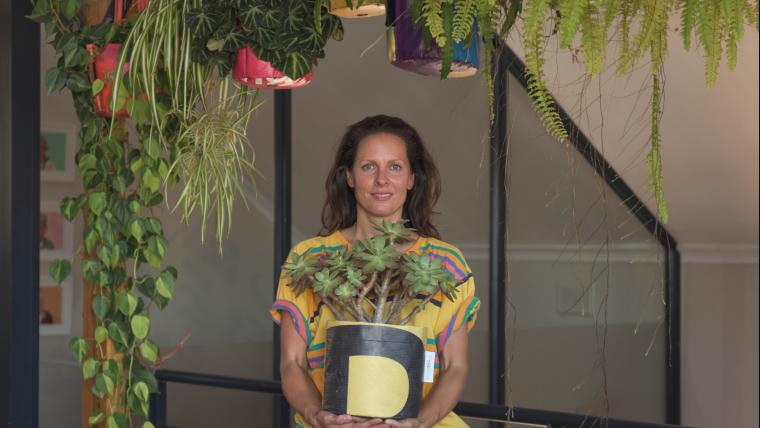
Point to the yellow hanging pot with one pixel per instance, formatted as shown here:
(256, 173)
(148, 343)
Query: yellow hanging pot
(348, 9)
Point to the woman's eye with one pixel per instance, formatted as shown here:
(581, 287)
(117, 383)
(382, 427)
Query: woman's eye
(395, 167)
(368, 167)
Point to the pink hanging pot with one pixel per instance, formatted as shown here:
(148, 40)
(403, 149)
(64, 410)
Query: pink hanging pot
(104, 68)
(256, 73)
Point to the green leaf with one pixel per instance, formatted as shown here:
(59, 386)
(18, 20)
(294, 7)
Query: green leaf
(70, 8)
(90, 270)
(152, 258)
(150, 181)
(117, 333)
(149, 351)
(69, 208)
(126, 302)
(154, 225)
(105, 255)
(41, 12)
(141, 391)
(90, 368)
(138, 110)
(140, 373)
(78, 82)
(79, 348)
(165, 284)
(136, 229)
(118, 420)
(148, 425)
(97, 202)
(55, 79)
(134, 206)
(100, 306)
(101, 334)
(152, 147)
(140, 326)
(96, 417)
(97, 86)
(60, 270)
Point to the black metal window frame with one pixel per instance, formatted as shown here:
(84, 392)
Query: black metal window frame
(19, 231)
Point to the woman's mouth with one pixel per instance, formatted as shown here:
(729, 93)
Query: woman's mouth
(382, 196)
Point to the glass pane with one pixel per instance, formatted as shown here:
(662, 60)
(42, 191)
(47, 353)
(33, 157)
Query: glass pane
(586, 283)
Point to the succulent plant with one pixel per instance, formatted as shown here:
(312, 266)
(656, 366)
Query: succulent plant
(373, 281)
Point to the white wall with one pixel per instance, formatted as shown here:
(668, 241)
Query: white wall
(719, 344)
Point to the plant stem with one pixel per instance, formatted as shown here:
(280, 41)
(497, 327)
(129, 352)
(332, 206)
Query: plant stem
(383, 296)
(398, 305)
(338, 315)
(418, 308)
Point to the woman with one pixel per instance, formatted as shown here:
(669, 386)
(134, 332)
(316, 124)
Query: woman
(381, 171)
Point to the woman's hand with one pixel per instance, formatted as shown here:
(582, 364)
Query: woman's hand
(405, 423)
(325, 419)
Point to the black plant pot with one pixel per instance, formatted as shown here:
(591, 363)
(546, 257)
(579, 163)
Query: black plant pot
(374, 370)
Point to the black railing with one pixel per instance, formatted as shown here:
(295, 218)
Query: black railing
(489, 412)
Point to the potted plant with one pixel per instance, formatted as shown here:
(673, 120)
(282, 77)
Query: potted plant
(374, 292)
(193, 112)
(357, 8)
(411, 47)
(272, 44)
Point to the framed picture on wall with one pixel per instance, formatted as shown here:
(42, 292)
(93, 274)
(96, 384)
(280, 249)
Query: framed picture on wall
(58, 144)
(56, 233)
(55, 306)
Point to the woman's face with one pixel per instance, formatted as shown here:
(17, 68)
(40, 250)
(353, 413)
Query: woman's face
(381, 176)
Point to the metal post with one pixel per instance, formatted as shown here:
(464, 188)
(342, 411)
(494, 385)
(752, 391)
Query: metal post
(282, 223)
(498, 231)
(673, 323)
(158, 404)
(19, 215)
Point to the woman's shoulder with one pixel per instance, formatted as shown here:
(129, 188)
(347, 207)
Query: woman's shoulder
(318, 244)
(438, 246)
(448, 253)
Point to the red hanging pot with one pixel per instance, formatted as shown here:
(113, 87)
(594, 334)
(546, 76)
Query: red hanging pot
(104, 67)
(256, 73)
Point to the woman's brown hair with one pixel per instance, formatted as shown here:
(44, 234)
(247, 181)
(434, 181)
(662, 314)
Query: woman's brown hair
(339, 210)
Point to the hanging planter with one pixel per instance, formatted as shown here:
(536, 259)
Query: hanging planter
(407, 49)
(374, 370)
(104, 69)
(346, 8)
(256, 73)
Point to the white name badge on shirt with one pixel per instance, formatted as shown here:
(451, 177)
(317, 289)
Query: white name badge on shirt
(427, 375)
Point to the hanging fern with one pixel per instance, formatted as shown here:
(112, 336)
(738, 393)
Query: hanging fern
(572, 12)
(535, 12)
(594, 40)
(688, 18)
(465, 12)
(654, 157)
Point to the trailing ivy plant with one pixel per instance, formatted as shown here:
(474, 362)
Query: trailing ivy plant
(290, 34)
(123, 250)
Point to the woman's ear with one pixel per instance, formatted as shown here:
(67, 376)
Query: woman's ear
(410, 182)
(349, 178)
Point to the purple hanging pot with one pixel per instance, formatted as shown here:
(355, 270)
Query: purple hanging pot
(407, 50)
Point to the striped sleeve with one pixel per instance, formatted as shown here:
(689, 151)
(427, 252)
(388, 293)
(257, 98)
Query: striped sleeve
(463, 311)
(297, 306)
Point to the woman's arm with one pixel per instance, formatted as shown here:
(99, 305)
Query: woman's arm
(447, 390)
(298, 387)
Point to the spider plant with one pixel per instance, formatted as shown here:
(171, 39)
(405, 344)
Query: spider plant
(206, 135)
(358, 282)
(214, 158)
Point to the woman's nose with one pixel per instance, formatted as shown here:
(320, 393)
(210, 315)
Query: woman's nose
(381, 178)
